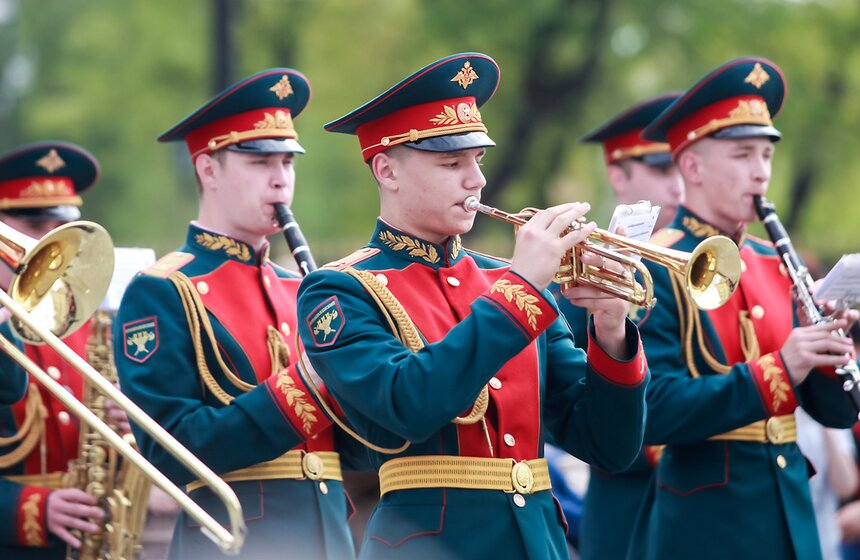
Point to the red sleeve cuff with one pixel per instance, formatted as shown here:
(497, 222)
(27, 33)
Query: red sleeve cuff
(523, 303)
(628, 373)
(773, 384)
(295, 401)
(32, 522)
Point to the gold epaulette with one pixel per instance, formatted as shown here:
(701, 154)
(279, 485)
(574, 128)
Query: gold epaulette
(666, 237)
(168, 264)
(362, 254)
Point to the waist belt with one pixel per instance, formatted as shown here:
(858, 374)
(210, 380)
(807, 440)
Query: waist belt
(53, 480)
(473, 473)
(776, 430)
(295, 464)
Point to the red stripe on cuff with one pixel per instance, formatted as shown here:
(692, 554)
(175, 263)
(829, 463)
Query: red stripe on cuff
(32, 522)
(523, 302)
(296, 402)
(628, 373)
(773, 384)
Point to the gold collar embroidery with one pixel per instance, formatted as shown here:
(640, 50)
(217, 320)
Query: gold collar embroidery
(231, 247)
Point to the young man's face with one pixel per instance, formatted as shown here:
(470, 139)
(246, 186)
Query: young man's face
(431, 188)
(245, 188)
(662, 186)
(731, 172)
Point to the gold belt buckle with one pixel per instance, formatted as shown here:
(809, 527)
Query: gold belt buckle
(312, 466)
(775, 430)
(522, 478)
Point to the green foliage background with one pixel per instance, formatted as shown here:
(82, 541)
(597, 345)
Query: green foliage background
(111, 75)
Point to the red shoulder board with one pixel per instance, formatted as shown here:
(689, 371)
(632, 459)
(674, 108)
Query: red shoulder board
(666, 237)
(356, 257)
(168, 264)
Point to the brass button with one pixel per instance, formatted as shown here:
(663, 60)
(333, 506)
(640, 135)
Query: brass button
(285, 328)
(781, 461)
(453, 281)
(509, 440)
(63, 417)
(53, 372)
(383, 279)
(323, 487)
(202, 287)
(495, 383)
(757, 312)
(312, 466)
(522, 478)
(267, 282)
(743, 266)
(775, 430)
(519, 500)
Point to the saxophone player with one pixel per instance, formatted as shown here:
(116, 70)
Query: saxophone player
(205, 336)
(40, 188)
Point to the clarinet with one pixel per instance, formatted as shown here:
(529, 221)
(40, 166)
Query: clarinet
(295, 239)
(800, 277)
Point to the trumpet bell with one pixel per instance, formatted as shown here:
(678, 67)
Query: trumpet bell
(713, 272)
(62, 280)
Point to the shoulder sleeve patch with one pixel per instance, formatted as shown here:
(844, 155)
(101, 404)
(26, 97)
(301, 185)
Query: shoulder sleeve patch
(358, 256)
(666, 237)
(140, 339)
(168, 264)
(326, 322)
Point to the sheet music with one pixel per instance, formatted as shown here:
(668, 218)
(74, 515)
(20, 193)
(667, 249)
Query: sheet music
(128, 261)
(637, 220)
(843, 282)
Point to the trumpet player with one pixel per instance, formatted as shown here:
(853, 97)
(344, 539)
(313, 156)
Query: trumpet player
(731, 482)
(449, 364)
(40, 190)
(206, 337)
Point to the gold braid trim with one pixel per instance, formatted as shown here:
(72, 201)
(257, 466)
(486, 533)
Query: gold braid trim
(279, 352)
(31, 431)
(693, 324)
(749, 340)
(198, 320)
(408, 334)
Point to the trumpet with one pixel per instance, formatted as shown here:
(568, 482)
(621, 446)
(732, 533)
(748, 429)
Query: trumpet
(711, 271)
(70, 267)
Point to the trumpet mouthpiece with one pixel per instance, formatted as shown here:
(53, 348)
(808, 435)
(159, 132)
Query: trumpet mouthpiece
(471, 204)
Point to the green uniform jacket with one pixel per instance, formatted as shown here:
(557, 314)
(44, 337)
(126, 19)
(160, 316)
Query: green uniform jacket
(481, 325)
(251, 306)
(727, 499)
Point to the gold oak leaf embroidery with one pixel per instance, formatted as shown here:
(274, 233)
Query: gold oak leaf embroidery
(280, 120)
(140, 340)
(455, 247)
(779, 388)
(699, 229)
(415, 248)
(449, 116)
(296, 399)
(523, 300)
(221, 243)
(31, 526)
(324, 324)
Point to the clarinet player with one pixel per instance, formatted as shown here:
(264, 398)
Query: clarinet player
(726, 382)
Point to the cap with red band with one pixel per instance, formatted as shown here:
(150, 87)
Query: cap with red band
(434, 109)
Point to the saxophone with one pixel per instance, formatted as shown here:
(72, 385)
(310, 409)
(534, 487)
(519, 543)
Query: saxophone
(120, 487)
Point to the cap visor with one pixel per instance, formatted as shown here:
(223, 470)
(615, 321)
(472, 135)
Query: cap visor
(65, 213)
(748, 131)
(661, 159)
(453, 142)
(268, 146)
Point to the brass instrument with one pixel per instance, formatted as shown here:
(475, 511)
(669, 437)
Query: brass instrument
(54, 270)
(711, 271)
(98, 470)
